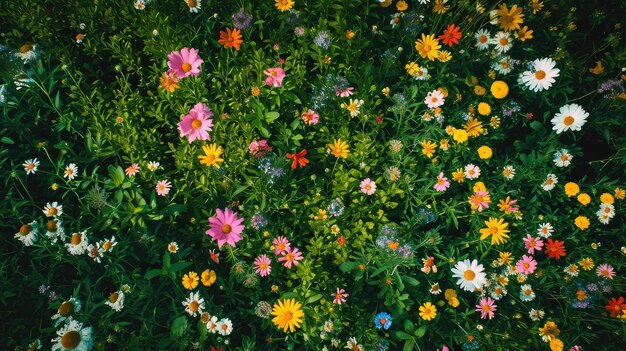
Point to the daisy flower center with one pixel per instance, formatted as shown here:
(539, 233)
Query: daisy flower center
(186, 67)
(191, 3)
(493, 230)
(76, 238)
(469, 275)
(426, 311)
(526, 265)
(193, 306)
(427, 47)
(528, 292)
(31, 166)
(289, 257)
(540, 74)
(69, 171)
(440, 181)
(383, 321)
(564, 158)
(287, 316)
(107, 245)
(482, 39)
(263, 266)
(70, 340)
(486, 308)
(113, 297)
(66, 308)
(25, 229)
(53, 211)
(368, 187)
(51, 226)
(568, 121)
(226, 228)
(504, 41)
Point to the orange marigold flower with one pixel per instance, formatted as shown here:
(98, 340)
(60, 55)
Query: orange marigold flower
(555, 249)
(451, 35)
(231, 39)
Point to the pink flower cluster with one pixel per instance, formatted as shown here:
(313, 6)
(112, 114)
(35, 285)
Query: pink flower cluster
(291, 256)
(275, 76)
(259, 148)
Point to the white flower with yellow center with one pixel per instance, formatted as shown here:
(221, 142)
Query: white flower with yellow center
(70, 171)
(502, 41)
(116, 300)
(27, 234)
(54, 230)
(569, 117)
(66, 310)
(541, 76)
(78, 243)
(72, 336)
(224, 327)
(53, 209)
(194, 304)
(470, 275)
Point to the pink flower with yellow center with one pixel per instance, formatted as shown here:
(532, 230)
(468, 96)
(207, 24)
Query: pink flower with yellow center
(274, 76)
(281, 244)
(262, 265)
(291, 257)
(526, 265)
(486, 306)
(185, 62)
(197, 124)
(442, 183)
(532, 244)
(225, 227)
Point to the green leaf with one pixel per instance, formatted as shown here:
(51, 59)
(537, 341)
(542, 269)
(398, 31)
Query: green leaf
(166, 261)
(409, 345)
(179, 327)
(116, 174)
(410, 280)
(347, 266)
(152, 273)
(403, 336)
(179, 266)
(409, 326)
(271, 116)
(7, 140)
(421, 331)
(314, 298)
(536, 125)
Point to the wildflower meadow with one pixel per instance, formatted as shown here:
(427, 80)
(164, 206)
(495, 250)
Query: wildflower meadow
(312, 175)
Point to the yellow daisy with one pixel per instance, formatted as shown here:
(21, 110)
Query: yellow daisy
(496, 228)
(428, 47)
(339, 148)
(288, 314)
(212, 155)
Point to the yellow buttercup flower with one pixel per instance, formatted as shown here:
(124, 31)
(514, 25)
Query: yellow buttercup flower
(484, 152)
(499, 89)
(428, 311)
(288, 315)
(208, 277)
(212, 155)
(284, 5)
(190, 280)
(339, 148)
(582, 222)
(510, 20)
(571, 189)
(620, 193)
(460, 136)
(428, 148)
(479, 90)
(428, 46)
(496, 228)
(607, 198)
(584, 198)
(484, 109)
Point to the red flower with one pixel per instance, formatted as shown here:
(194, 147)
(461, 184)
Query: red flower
(379, 119)
(298, 159)
(341, 240)
(451, 35)
(616, 306)
(214, 349)
(555, 249)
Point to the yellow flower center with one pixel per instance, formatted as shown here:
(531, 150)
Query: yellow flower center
(289, 257)
(368, 187)
(427, 47)
(383, 321)
(70, 340)
(263, 266)
(193, 306)
(66, 308)
(504, 41)
(186, 67)
(469, 275)
(226, 228)
(568, 121)
(482, 39)
(528, 292)
(191, 3)
(196, 124)
(113, 297)
(25, 229)
(76, 238)
(540, 74)
(107, 245)
(31, 165)
(493, 230)
(53, 211)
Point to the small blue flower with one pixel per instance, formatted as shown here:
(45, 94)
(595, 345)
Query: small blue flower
(383, 320)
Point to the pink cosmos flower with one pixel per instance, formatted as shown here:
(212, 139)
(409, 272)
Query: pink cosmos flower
(262, 265)
(445, 348)
(442, 183)
(310, 117)
(291, 256)
(344, 92)
(132, 170)
(434, 99)
(185, 62)
(281, 245)
(225, 227)
(526, 265)
(368, 187)
(274, 76)
(532, 244)
(196, 124)
(163, 187)
(486, 306)
(472, 171)
(605, 270)
(259, 148)
(340, 296)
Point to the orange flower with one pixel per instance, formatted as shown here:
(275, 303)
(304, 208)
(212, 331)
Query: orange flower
(451, 35)
(230, 39)
(597, 69)
(555, 249)
(298, 159)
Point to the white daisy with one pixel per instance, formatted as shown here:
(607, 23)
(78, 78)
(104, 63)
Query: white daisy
(140, 4)
(536, 315)
(606, 209)
(472, 171)
(224, 327)
(54, 230)
(78, 243)
(27, 53)
(569, 117)
(421, 74)
(27, 234)
(541, 76)
(502, 41)
(194, 304)
(30, 166)
(172, 247)
(483, 39)
(3, 91)
(70, 171)
(470, 275)
(550, 182)
(562, 158)
(65, 311)
(116, 301)
(73, 337)
(194, 5)
(604, 218)
(503, 65)
(508, 172)
(526, 293)
(108, 244)
(153, 166)
(211, 325)
(435, 289)
(95, 252)
(545, 230)
(53, 209)
(498, 291)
